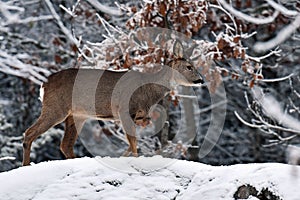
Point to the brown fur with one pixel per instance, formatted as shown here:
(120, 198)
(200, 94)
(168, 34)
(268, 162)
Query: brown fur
(67, 101)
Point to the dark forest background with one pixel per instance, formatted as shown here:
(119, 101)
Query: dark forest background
(34, 43)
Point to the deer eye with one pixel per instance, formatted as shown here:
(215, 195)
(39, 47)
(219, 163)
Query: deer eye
(189, 68)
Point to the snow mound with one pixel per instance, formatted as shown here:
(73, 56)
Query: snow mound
(146, 178)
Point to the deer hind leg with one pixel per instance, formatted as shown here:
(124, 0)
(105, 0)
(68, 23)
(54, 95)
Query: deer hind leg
(141, 120)
(129, 127)
(43, 123)
(73, 126)
(132, 146)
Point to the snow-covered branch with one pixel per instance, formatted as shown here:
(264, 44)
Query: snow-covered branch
(60, 23)
(277, 79)
(270, 108)
(274, 110)
(27, 20)
(105, 9)
(225, 11)
(276, 52)
(10, 12)
(7, 158)
(280, 37)
(282, 9)
(13, 65)
(248, 18)
(265, 125)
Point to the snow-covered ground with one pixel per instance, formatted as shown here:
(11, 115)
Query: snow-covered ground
(144, 178)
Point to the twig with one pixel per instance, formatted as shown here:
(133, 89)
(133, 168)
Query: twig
(60, 23)
(247, 123)
(276, 79)
(228, 14)
(277, 51)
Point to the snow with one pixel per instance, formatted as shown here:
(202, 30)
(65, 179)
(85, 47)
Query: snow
(144, 178)
(42, 91)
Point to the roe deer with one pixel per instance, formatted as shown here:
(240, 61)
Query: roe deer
(103, 100)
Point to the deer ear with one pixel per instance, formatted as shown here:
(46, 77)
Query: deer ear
(178, 49)
(189, 51)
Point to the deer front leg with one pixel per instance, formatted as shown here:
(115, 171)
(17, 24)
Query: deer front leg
(132, 143)
(130, 131)
(73, 126)
(132, 146)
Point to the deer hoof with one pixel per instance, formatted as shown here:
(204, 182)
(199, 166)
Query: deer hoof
(135, 154)
(126, 153)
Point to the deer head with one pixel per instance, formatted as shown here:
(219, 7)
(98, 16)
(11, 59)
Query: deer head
(187, 72)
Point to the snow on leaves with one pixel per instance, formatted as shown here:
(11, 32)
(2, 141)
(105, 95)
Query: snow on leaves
(183, 16)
